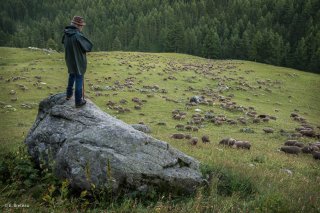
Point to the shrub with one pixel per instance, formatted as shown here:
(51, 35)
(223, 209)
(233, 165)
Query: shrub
(17, 167)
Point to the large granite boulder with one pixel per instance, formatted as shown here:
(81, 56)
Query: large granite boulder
(88, 146)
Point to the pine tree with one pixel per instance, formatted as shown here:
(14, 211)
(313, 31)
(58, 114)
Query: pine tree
(52, 44)
(301, 57)
(116, 44)
(212, 46)
(175, 38)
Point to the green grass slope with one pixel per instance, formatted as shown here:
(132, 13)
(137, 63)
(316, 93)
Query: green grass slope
(165, 82)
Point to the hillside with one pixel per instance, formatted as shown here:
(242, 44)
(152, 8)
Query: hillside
(165, 82)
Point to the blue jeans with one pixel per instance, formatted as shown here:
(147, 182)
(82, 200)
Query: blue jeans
(78, 88)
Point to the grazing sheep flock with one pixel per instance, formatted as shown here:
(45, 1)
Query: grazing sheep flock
(200, 107)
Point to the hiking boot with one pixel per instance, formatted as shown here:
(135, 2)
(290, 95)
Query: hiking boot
(68, 98)
(81, 104)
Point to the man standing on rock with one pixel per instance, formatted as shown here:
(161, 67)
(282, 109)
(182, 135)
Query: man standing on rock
(76, 45)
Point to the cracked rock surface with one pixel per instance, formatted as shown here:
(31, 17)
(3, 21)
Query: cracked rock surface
(88, 146)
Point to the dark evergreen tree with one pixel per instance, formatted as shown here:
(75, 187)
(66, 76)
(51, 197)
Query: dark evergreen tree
(212, 47)
(52, 44)
(116, 45)
(175, 38)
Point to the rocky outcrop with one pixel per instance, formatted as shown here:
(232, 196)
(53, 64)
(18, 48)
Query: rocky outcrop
(88, 146)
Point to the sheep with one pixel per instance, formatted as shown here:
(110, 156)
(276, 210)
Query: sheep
(176, 116)
(290, 142)
(188, 127)
(256, 120)
(137, 107)
(268, 130)
(14, 99)
(273, 117)
(195, 129)
(227, 141)
(299, 144)
(296, 135)
(317, 144)
(265, 119)
(291, 149)
(205, 139)
(232, 122)
(188, 136)
(179, 127)
(307, 132)
(294, 143)
(263, 116)
(242, 144)
(316, 155)
(309, 149)
(218, 122)
(178, 136)
(193, 141)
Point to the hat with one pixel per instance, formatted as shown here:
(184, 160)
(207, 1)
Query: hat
(78, 20)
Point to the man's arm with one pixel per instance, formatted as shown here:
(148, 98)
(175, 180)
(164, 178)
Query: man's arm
(85, 43)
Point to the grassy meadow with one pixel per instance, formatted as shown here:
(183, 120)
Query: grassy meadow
(261, 179)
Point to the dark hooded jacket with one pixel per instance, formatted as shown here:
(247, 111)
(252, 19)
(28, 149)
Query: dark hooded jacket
(76, 45)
